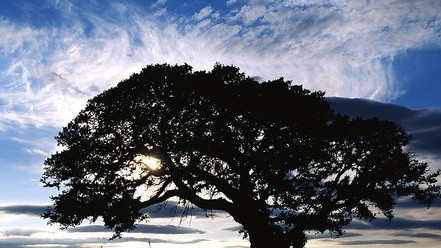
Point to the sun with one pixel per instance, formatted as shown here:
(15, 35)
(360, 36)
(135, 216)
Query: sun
(149, 161)
(139, 167)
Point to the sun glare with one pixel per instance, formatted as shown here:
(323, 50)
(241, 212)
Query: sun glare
(151, 162)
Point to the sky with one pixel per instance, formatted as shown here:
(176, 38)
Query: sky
(372, 58)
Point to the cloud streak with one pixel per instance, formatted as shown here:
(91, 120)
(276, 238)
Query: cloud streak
(33, 210)
(419, 235)
(345, 48)
(162, 210)
(377, 242)
(395, 224)
(142, 228)
(20, 232)
(21, 242)
(172, 209)
(424, 125)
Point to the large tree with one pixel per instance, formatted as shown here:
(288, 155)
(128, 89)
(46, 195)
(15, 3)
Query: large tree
(271, 154)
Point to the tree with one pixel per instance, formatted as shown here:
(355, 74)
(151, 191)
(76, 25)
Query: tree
(271, 154)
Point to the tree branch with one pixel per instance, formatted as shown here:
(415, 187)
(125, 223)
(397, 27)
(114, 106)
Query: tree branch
(160, 198)
(223, 186)
(187, 193)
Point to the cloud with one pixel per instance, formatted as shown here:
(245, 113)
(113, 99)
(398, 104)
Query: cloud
(418, 235)
(377, 242)
(142, 228)
(249, 14)
(231, 2)
(20, 232)
(424, 125)
(51, 93)
(159, 3)
(309, 235)
(35, 151)
(160, 12)
(192, 241)
(76, 242)
(162, 210)
(203, 13)
(233, 228)
(332, 236)
(409, 203)
(345, 48)
(39, 146)
(395, 224)
(33, 210)
(172, 209)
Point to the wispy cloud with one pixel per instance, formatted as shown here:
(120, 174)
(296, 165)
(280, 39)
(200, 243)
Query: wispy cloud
(345, 48)
(377, 242)
(158, 3)
(160, 12)
(395, 224)
(33, 210)
(142, 228)
(161, 210)
(203, 13)
(87, 242)
(419, 235)
(231, 2)
(42, 146)
(21, 232)
(172, 209)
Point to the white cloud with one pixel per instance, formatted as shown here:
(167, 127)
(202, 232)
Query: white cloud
(121, 8)
(231, 2)
(344, 48)
(249, 14)
(203, 13)
(21, 225)
(159, 3)
(36, 151)
(215, 15)
(160, 12)
(311, 2)
(40, 146)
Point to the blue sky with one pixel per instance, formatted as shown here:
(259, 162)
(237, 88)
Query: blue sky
(56, 54)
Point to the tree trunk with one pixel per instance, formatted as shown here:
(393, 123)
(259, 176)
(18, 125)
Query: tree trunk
(269, 236)
(262, 233)
(265, 241)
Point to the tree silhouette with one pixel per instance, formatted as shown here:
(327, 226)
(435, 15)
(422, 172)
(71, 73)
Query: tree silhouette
(271, 154)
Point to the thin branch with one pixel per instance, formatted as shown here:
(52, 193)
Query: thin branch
(160, 198)
(187, 193)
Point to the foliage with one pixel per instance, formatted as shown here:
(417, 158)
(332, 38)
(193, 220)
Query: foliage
(271, 154)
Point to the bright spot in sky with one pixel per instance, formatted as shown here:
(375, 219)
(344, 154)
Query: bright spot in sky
(151, 162)
(139, 167)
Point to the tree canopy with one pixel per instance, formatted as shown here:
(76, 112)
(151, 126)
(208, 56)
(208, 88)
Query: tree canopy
(271, 154)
